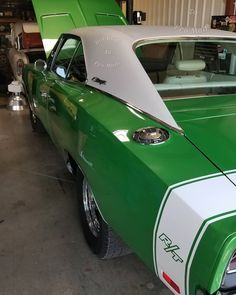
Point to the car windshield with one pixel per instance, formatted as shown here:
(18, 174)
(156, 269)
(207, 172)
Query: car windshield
(187, 68)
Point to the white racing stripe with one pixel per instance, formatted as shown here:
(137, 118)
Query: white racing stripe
(170, 188)
(185, 208)
(232, 177)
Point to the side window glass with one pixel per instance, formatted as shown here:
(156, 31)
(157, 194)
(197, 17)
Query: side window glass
(64, 57)
(77, 69)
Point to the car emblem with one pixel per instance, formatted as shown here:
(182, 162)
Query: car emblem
(99, 81)
(170, 248)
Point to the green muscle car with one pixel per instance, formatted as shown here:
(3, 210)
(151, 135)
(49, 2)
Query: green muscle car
(145, 117)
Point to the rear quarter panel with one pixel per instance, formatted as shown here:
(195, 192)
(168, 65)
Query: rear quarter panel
(129, 180)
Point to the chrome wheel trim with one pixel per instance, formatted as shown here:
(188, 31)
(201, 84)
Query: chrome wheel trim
(91, 210)
(34, 118)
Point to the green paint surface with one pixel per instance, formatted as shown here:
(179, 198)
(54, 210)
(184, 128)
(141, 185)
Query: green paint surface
(129, 180)
(208, 123)
(212, 256)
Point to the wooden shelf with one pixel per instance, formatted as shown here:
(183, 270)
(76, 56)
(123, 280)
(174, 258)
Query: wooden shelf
(7, 20)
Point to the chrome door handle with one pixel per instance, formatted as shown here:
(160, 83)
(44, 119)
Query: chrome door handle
(43, 94)
(51, 105)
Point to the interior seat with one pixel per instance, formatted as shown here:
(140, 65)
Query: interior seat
(187, 71)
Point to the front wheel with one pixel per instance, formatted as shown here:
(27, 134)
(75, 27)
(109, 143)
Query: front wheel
(98, 234)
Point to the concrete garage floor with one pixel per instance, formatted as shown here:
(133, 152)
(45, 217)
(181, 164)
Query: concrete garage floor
(42, 250)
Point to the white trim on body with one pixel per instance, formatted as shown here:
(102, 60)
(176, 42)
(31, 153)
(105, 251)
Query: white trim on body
(184, 209)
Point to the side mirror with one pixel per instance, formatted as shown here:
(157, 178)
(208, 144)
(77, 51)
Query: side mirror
(40, 65)
(61, 71)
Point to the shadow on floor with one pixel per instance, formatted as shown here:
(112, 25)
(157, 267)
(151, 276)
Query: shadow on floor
(3, 100)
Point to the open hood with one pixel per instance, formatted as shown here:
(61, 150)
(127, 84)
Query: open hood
(59, 16)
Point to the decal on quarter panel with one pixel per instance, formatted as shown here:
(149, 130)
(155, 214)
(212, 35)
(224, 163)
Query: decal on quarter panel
(186, 206)
(170, 247)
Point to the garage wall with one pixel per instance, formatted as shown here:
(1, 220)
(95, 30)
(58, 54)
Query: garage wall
(195, 13)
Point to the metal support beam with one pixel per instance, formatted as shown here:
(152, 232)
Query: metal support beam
(129, 11)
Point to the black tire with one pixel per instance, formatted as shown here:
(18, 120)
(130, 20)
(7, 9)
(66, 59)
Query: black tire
(98, 234)
(36, 124)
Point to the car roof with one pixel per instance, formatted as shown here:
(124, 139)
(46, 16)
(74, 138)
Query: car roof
(113, 67)
(137, 32)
